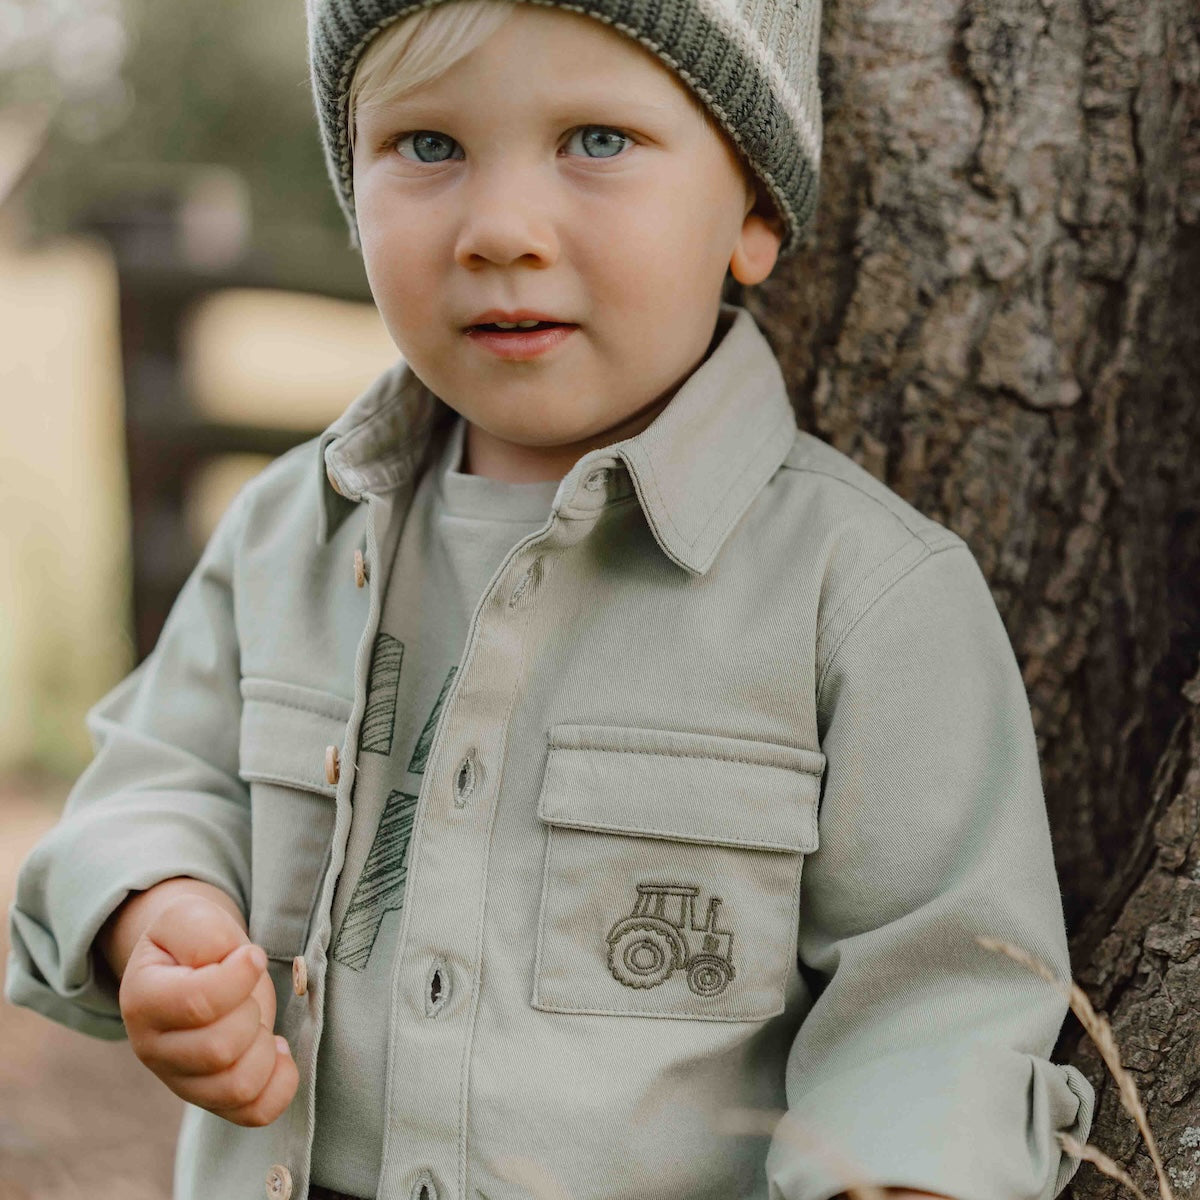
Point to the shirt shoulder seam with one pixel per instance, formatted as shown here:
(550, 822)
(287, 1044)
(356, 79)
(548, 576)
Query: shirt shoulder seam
(933, 541)
(942, 545)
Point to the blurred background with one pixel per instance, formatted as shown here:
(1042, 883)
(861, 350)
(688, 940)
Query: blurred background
(178, 304)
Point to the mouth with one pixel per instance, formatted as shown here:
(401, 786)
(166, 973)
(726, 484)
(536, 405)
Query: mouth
(520, 344)
(493, 328)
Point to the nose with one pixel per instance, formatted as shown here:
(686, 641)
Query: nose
(507, 216)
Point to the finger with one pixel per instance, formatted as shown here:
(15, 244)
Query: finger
(236, 1086)
(275, 1097)
(195, 932)
(207, 1051)
(264, 993)
(178, 997)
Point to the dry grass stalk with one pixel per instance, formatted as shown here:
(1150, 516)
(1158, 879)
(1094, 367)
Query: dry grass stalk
(1094, 1154)
(1101, 1033)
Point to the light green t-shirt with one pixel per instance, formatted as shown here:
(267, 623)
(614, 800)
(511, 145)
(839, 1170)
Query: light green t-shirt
(457, 533)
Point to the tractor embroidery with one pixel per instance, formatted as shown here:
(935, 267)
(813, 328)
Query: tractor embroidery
(647, 946)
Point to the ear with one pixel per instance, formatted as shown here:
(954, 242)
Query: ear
(758, 245)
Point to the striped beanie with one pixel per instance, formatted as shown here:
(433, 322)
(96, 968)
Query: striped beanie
(753, 63)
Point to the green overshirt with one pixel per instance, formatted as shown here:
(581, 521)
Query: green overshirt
(736, 763)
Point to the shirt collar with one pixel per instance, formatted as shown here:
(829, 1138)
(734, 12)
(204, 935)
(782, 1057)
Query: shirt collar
(695, 468)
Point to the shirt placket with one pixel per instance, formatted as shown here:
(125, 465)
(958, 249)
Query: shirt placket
(385, 512)
(436, 971)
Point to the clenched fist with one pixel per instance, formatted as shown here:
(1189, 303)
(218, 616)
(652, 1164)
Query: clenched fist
(199, 1008)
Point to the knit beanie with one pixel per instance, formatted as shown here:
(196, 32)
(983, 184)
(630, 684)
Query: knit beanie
(753, 63)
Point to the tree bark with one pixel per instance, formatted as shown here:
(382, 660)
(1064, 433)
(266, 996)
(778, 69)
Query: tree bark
(999, 316)
(1146, 974)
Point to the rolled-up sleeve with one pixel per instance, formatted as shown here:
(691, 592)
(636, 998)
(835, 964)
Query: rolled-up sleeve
(923, 1062)
(160, 798)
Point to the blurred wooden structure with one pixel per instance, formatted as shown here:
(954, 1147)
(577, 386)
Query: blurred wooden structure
(159, 356)
(63, 516)
(174, 244)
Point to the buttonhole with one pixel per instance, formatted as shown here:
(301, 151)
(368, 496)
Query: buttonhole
(465, 780)
(437, 988)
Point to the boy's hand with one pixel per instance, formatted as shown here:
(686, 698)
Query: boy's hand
(199, 1009)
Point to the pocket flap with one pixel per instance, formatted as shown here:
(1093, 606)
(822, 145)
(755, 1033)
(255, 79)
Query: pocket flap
(687, 786)
(285, 730)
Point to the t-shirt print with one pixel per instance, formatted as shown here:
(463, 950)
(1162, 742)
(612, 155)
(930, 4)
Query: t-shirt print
(380, 887)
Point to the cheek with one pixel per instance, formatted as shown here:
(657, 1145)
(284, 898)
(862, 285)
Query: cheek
(394, 250)
(652, 268)
(634, 246)
(663, 235)
(402, 247)
(379, 208)
(375, 218)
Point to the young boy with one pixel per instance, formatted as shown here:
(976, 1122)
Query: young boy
(615, 776)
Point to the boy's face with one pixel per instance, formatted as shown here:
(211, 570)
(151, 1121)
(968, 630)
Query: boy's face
(558, 167)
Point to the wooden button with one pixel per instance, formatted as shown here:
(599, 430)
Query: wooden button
(279, 1183)
(299, 975)
(333, 483)
(360, 568)
(332, 767)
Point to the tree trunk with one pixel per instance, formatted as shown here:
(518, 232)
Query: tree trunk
(1146, 974)
(1000, 317)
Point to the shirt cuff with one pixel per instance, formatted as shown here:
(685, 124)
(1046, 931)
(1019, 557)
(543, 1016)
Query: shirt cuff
(973, 1123)
(53, 965)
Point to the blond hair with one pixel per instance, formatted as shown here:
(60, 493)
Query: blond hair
(419, 47)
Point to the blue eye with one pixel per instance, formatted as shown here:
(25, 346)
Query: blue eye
(432, 147)
(425, 138)
(606, 133)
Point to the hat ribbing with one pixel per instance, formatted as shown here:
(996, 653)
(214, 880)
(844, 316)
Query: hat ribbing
(753, 63)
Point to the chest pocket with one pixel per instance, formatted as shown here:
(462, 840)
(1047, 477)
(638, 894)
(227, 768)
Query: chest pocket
(671, 883)
(285, 730)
